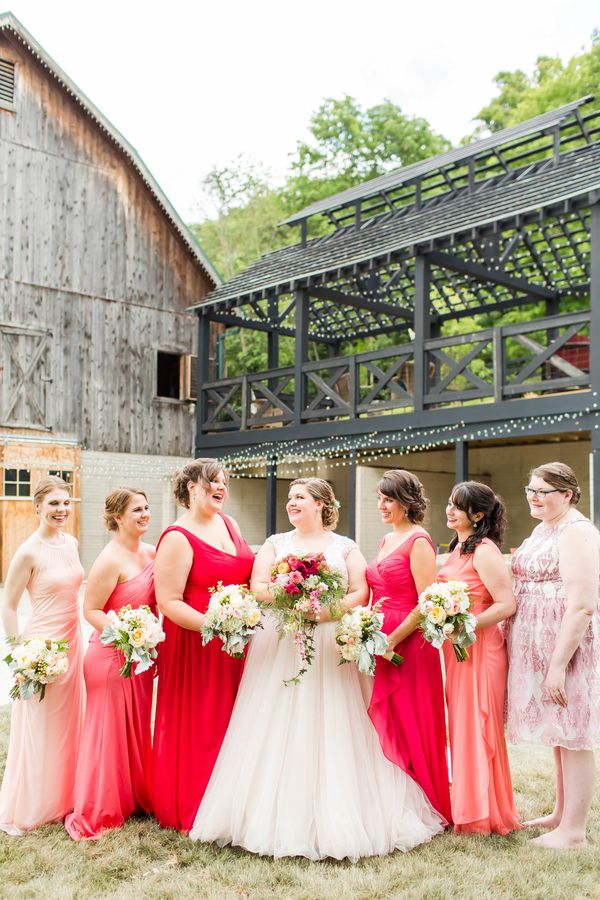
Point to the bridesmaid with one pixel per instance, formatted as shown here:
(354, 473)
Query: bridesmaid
(482, 797)
(407, 703)
(113, 767)
(197, 685)
(39, 777)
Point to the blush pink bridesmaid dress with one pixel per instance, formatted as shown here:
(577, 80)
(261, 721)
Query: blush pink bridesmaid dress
(39, 776)
(113, 769)
(482, 795)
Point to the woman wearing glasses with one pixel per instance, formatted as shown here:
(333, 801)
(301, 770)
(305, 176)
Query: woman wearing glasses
(554, 648)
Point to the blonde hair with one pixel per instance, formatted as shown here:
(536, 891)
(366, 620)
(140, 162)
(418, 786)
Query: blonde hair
(116, 503)
(203, 469)
(47, 485)
(319, 489)
(561, 477)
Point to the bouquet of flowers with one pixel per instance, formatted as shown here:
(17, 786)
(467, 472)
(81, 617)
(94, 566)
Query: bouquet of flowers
(135, 632)
(303, 585)
(35, 662)
(360, 639)
(444, 606)
(233, 614)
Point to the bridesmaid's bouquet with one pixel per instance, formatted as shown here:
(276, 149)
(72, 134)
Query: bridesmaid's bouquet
(444, 606)
(360, 639)
(34, 663)
(302, 586)
(233, 615)
(135, 632)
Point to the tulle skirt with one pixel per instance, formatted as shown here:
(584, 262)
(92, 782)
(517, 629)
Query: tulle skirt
(301, 771)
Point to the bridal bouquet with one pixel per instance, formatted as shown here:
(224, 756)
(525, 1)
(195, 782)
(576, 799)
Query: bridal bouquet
(360, 639)
(303, 586)
(444, 606)
(34, 663)
(233, 615)
(135, 632)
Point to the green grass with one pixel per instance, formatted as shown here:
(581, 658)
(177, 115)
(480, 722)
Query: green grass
(141, 860)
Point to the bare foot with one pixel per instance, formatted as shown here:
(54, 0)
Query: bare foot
(550, 821)
(559, 840)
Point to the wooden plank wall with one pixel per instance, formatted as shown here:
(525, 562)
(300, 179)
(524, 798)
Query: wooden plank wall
(87, 254)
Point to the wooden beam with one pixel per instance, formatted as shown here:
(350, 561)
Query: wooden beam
(461, 461)
(465, 267)
(271, 499)
(422, 330)
(301, 353)
(373, 306)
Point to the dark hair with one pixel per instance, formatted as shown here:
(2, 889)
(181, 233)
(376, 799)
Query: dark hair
(561, 477)
(319, 489)
(474, 497)
(203, 469)
(116, 503)
(403, 486)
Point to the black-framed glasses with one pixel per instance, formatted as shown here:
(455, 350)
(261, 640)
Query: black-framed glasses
(540, 494)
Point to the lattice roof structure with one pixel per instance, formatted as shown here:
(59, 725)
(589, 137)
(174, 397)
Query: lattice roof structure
(504, 221)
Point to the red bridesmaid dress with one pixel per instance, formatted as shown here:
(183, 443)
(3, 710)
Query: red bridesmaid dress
(113, 765)
(197, 687)
(407, 703)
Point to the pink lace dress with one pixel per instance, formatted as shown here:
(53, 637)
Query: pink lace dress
(531, 638)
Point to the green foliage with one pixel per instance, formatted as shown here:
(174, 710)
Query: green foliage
(552, 84)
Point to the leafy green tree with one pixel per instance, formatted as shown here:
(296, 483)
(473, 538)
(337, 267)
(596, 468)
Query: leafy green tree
(552, 84)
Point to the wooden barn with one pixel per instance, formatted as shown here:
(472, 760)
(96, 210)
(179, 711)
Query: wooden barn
(98, 271)
(444, 317)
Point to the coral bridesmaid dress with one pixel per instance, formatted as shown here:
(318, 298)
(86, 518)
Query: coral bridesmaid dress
(482, 797)
(407, 703)
(197, 687)
(113, 768)
(39, 776)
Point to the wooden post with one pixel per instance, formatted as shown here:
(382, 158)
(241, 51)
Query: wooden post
(271, 505)
(422, 328)
(302, 308)
(202, 373)
(273, 335)
(461, 461)
(352, 495)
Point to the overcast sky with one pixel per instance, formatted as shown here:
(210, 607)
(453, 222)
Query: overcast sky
(193, 84)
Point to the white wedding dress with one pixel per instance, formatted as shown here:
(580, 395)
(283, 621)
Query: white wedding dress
(301, 771)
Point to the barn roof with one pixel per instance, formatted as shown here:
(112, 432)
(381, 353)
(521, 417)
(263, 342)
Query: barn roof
(10, 24)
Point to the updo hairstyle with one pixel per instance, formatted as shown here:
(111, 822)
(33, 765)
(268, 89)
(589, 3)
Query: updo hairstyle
(561, 477)
(403, 486)
(203, 469)
(319, 489)
(473, 497)
(116, 503)
(47, 485)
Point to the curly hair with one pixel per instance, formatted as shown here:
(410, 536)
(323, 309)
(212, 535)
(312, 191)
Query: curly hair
(403, 486)
(319, 489)
(561, 477)
(116, 503)
(203, 469)
(473, 497)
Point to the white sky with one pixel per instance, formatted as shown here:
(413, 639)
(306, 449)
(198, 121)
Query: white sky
(193, 84)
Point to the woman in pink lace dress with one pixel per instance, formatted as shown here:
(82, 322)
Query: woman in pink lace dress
(554, 648)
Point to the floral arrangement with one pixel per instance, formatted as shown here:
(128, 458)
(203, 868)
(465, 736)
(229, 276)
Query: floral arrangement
(444, 606)
(301, 587)
(135, 632)
(360, 639)
(233, 615)
(34, 663)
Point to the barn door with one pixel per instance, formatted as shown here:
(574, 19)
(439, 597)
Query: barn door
(24, 376)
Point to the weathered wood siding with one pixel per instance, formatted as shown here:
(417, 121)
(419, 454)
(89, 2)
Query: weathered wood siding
(89, 258)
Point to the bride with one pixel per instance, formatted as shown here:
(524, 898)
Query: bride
(301, 771)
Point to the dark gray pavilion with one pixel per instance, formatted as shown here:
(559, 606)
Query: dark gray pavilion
(403, 314)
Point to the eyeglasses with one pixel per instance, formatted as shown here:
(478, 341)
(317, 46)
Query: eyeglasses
(540, 495)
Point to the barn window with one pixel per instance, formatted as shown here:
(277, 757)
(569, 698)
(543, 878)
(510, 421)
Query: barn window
(168, 375)
(7, 84)
(17, 483)
(65, 474)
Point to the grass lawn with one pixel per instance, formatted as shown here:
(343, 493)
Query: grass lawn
(141, 860)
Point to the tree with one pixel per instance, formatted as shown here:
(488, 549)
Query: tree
(351, 144)
(552, 84)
